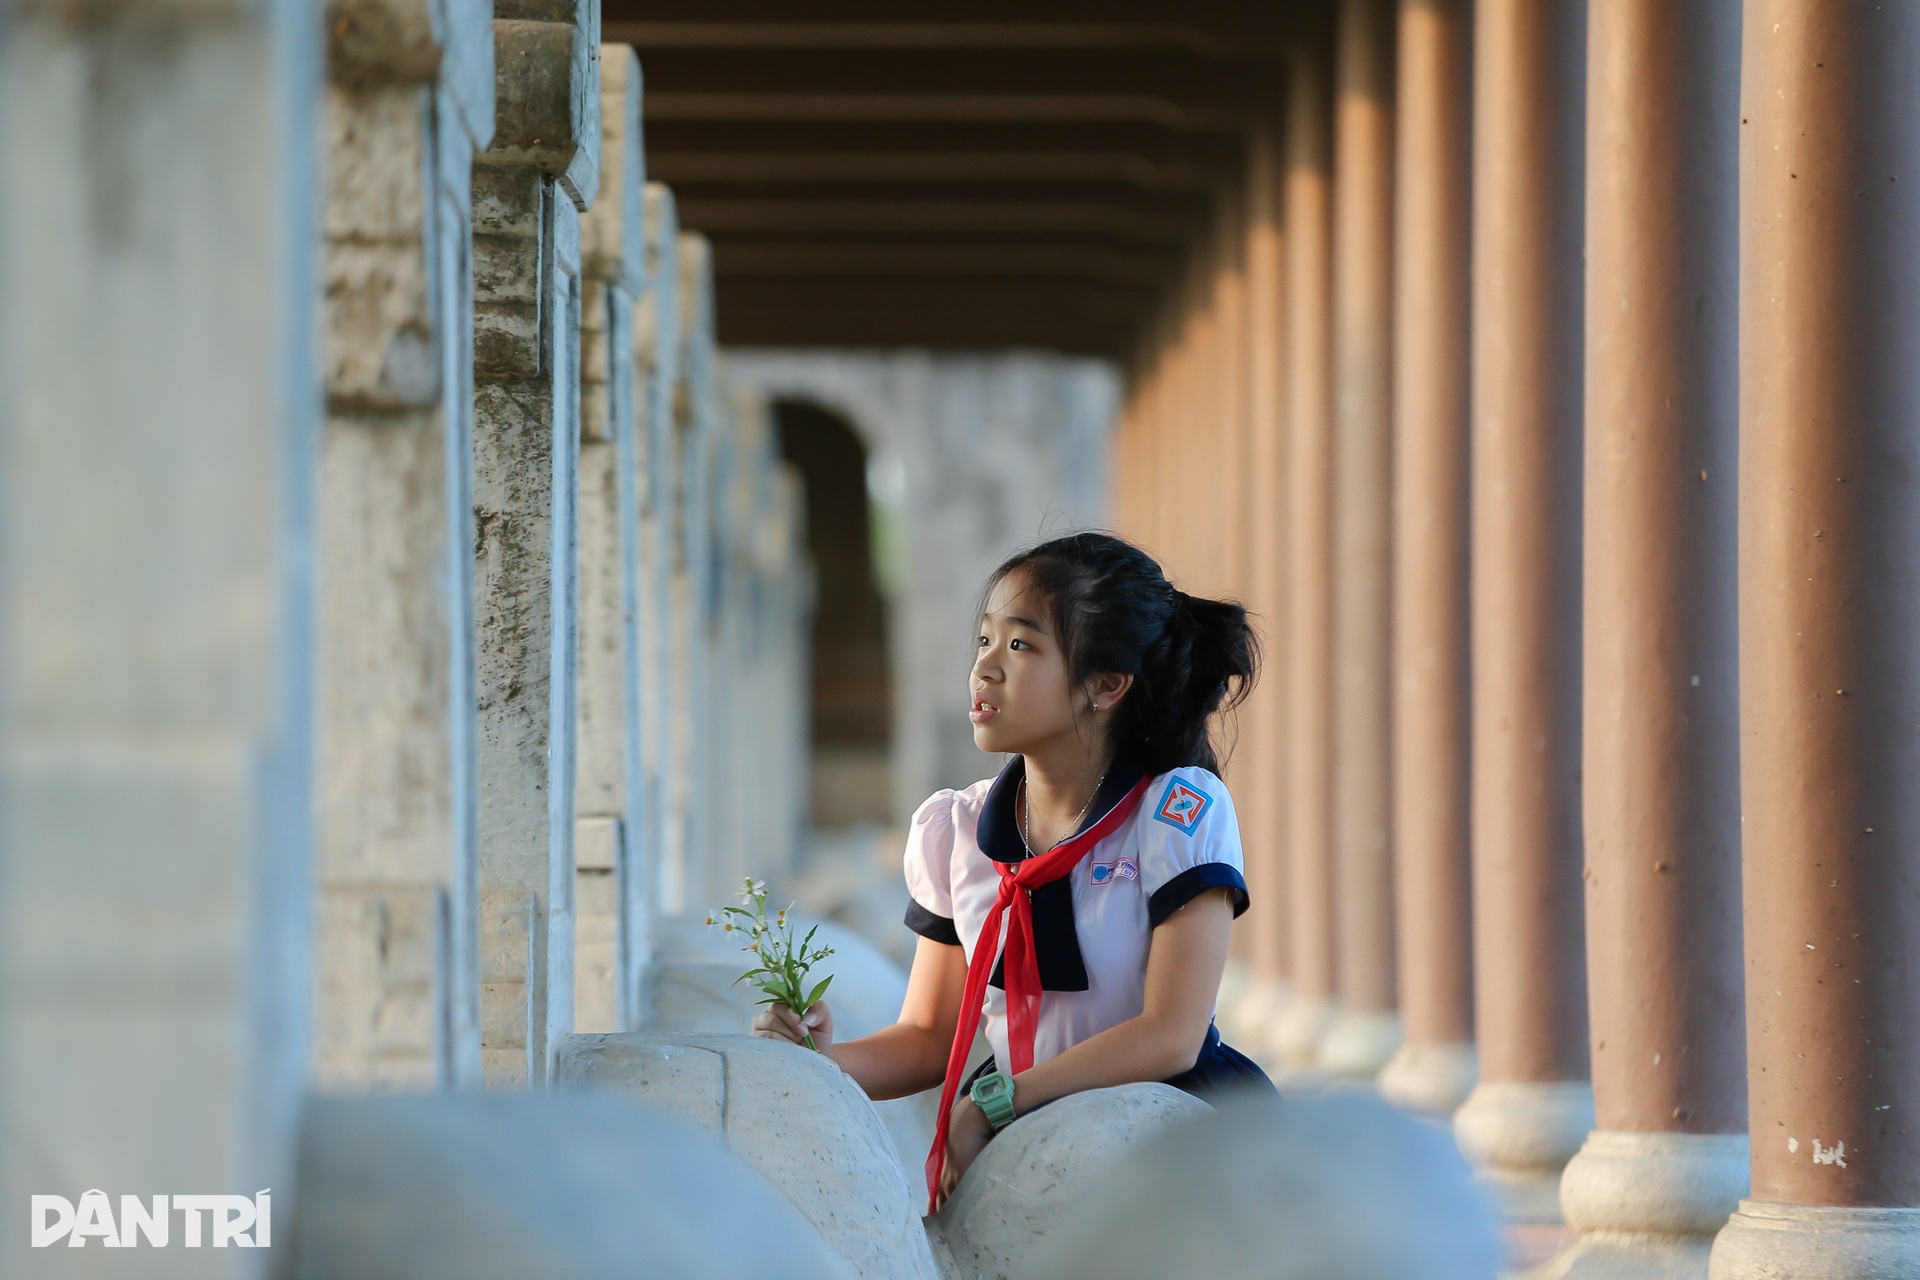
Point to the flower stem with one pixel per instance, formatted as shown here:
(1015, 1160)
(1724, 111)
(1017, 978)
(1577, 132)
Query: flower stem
(811, 1044)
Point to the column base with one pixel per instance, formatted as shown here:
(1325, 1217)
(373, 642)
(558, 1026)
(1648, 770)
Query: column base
(1766, 1239)
(1359, 1044)
(1432, 1079)
(1296, 1040)
(1648, 1204)
(1519, 1136)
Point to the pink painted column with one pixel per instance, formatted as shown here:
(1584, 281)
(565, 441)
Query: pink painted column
(1666, 1162)
(1366, 1031)
(1533, 1105)
(1435, 1067)
(1830, 639)
(1306, 194)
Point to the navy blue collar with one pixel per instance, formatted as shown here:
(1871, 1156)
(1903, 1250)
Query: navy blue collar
(999, 830)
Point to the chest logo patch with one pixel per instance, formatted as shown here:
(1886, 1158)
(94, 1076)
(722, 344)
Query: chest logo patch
(1120, 869)
(1182, 806)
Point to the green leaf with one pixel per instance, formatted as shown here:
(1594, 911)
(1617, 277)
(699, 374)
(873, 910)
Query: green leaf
(818, 991)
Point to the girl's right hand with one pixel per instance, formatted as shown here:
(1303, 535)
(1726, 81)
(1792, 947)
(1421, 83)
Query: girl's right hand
(778, 1022)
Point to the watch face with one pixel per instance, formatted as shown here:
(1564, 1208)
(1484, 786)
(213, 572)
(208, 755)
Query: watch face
(991, 1086)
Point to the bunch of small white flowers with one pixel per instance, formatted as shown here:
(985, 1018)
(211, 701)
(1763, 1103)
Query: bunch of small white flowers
(782, 971)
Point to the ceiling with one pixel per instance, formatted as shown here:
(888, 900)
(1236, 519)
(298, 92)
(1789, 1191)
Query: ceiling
(982, 174)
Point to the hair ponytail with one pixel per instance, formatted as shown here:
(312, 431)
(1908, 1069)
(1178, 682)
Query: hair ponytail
(1114, 610)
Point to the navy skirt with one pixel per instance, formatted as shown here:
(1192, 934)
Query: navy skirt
(1219, 1067)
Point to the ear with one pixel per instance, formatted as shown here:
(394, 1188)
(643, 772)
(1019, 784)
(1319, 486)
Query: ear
(1107, 688)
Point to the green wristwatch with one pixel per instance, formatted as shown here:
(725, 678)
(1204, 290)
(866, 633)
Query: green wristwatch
(993, 1094)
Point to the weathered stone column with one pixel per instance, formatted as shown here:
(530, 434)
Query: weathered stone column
(1309, 372)
(407, 105)
(685, 886)
(656, 348)
(1667, 1161)
(1435, 1069)
(765, 696)
(528, 193)
(1533, 1105)
(1829, 612)
(159, 423)
(1367, 1032)
(610, 909)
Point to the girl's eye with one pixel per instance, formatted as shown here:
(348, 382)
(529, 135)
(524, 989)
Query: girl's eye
(983, 642)
(1021, 644)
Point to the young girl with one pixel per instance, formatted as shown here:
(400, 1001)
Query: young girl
(1105, 855)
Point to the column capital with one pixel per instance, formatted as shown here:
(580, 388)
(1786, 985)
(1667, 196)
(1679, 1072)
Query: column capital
(547, 90)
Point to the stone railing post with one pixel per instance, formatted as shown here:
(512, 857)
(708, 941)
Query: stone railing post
(685, 885)
(656, 354)
(529, 190)
(159, 423)
(409, 100)
(610, 915)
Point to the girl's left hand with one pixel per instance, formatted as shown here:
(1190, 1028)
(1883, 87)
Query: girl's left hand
(967, 1134)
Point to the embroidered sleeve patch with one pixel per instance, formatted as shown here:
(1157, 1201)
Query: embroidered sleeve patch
(1182, 806)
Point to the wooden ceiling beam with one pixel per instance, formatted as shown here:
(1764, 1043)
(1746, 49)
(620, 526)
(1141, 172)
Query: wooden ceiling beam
(1218, 27)
(744, 258)
(827, 168)
(1145, 141)
(1181, 83)
(720, 216)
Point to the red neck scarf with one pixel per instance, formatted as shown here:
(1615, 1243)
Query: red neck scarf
(1022, 967)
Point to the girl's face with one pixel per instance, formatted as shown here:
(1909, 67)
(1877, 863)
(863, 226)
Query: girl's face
(1023, 695)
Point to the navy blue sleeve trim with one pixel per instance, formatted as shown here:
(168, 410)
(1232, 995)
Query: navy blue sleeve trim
(1190, 884)
(929, 925)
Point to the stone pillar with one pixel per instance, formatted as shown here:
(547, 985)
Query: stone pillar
(1367, 1032)
(656, 347)
(1667, 1161)
(1435, 1069)
(1533, 1105)
(1307, 212)
(609, 910)
(407, 105)
(684, 883)
(1829, 611)
(721, 860)
(159, 423)
(766, 756)
(529, 189)
(1265, 713)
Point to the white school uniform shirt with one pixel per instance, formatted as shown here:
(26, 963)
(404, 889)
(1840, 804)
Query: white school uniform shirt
(1182, 840)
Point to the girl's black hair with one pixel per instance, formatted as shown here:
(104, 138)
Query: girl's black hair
(1113, 609)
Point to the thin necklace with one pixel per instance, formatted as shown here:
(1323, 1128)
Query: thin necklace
(1026, 814)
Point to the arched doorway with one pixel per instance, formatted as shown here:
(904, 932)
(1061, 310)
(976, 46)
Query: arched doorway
(852, 735)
